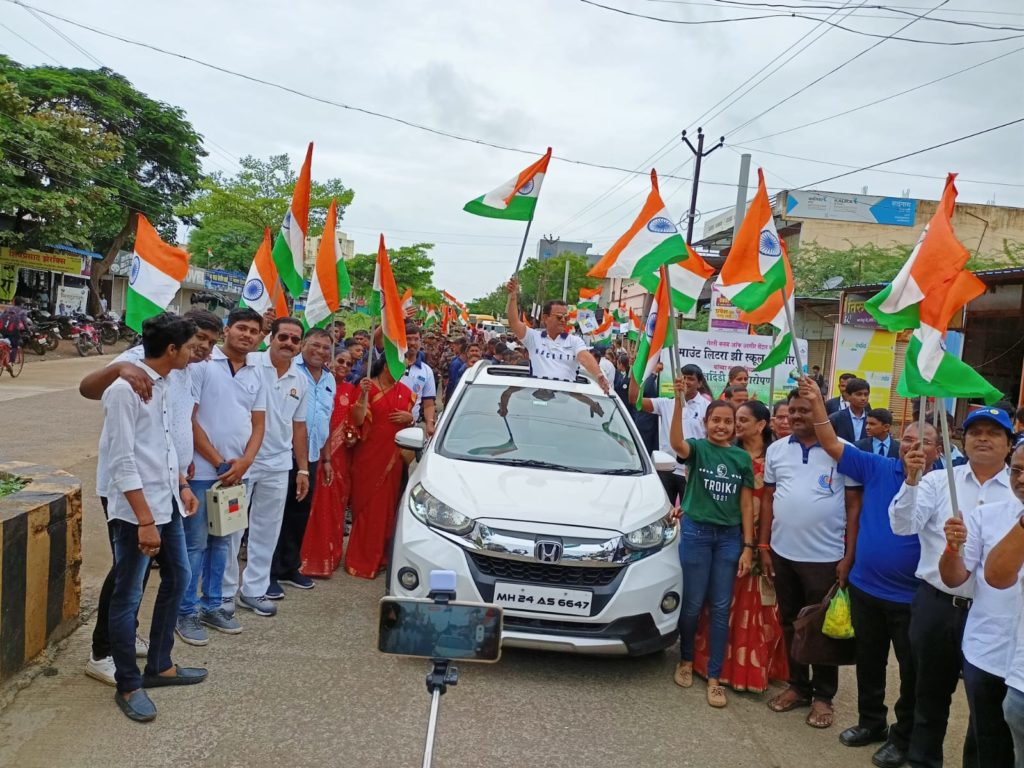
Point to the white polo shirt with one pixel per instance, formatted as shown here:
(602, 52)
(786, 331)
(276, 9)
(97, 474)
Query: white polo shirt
(553, 358)
(693, 422)
(923, 509)
(225, 406)
(286, 403)
(419, 378)
(180, 403)
(1015, 679)
(137, 448)
(992, 621)
(809, 523)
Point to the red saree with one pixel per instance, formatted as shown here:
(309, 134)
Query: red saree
(377, 467)
(322, 544)
(756, 652)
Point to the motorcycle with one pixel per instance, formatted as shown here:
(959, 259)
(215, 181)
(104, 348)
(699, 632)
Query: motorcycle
(42, 339)
(86, 335)
(109, 329)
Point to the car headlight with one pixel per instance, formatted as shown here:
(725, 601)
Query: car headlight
(437, 514)
(660, 533)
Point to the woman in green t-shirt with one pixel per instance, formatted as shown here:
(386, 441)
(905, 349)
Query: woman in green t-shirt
(717, 542)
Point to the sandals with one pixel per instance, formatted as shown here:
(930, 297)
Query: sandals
(787, 701)
(684, 674)
(821, 715)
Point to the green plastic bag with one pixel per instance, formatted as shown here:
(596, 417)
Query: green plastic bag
(838, 624)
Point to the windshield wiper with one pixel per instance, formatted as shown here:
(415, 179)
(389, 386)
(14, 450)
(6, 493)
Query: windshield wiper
(538, 464)
(620, 471)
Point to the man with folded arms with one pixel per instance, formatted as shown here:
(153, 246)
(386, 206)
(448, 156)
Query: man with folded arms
(147, 496)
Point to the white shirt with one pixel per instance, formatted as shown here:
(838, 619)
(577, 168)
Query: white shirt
(225, 406)
(809, 523)
(553, 358)
(693, 422)
(137, 448)
(607, 368)
(992, 620)
(286, 403)
(180, 402)
(419, 378)
(924, 508)
(1015, 678)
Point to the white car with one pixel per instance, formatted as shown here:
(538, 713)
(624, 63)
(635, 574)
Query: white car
(539, 495)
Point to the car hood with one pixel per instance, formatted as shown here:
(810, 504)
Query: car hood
(495, 494)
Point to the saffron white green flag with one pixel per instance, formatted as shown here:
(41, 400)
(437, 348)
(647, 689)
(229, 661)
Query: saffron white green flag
(653, 339)
(330, 280)
(155, 275)
(289, 248)
(516, 199)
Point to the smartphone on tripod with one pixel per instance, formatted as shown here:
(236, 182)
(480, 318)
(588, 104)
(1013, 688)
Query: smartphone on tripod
(424, 628)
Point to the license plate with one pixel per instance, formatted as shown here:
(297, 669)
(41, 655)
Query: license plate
(528, 597)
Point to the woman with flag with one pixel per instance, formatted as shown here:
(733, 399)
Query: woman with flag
(322, 544)
(755, 652)
(717, 541)
(384, 408)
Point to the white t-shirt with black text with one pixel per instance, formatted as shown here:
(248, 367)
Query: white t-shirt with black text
(553, 358)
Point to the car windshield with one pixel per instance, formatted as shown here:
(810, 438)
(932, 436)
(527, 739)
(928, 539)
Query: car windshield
(535, 426)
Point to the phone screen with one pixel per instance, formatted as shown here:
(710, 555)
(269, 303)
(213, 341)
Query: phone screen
(457, 631)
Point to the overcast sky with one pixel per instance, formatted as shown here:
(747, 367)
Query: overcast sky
(596, 85)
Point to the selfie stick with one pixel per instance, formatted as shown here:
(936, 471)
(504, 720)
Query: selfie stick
(442, 590)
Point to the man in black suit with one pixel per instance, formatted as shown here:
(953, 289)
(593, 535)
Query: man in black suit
(879, 434)
(850, 422)
(836, 404)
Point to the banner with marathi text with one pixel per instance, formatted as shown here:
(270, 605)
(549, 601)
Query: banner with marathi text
(868, 354)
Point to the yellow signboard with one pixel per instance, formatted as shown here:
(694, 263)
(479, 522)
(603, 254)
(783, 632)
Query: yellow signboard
(68, 263)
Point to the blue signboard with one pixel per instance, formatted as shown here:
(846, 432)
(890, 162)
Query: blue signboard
(222, 280)
(836, 206)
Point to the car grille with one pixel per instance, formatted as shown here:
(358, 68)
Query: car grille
(544, 573)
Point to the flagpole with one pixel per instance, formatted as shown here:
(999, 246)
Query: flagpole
(921, 421)
(792, 331)
(673, 349)
(948, 463)
(522, 248)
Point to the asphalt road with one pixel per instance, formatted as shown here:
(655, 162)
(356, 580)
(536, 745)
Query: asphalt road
(307, 688)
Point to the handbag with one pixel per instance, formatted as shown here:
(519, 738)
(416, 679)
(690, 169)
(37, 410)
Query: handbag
(811, 646)
(226, 509)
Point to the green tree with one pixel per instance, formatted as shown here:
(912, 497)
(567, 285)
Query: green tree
(814, 266)
(412, 265)
(159, 167)
(231, 212)
(48, 158)
(540, 281)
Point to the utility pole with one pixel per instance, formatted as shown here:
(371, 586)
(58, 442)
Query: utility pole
(741, 194)
(565, 281)
(700, 154)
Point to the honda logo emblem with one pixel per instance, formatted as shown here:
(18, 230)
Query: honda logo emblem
(548, 551)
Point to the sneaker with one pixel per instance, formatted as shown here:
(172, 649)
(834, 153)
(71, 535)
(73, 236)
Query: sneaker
(716, 696)
(684, 674)
(191, 631)
(261, 606)
(221, 620)
(141, 647)
(298, 581)
(101, 669)
(274, 591)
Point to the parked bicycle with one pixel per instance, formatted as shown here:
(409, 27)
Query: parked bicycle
(12, 366)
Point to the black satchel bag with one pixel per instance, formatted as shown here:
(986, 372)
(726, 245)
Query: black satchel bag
(810, 646)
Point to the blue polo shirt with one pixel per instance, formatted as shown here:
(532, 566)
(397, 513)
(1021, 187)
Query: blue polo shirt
(885, 563)
(319, 406)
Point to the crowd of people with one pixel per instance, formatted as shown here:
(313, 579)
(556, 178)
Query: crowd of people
(778, 503)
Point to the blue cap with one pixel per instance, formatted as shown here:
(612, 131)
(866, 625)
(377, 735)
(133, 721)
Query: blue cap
(995, 415)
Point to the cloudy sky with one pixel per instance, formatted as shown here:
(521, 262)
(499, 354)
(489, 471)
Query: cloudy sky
(598, 86)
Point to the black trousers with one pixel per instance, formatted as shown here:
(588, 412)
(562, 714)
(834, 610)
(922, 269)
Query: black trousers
(288, 553)
(101, 632)
(675, 486)
(798, 585)
(877, 624)
(936, 635)
(992, 738)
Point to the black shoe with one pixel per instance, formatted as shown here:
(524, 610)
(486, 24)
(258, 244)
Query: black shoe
(859, 736)
(889, 756)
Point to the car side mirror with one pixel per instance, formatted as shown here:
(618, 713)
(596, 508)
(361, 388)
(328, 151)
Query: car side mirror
(663, 462)
(412, 439)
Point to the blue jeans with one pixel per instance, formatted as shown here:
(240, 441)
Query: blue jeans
(130, 567)
(709, 554)
(1013, 713)
(207, 556)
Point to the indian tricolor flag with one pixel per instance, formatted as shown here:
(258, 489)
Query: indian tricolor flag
(385, 303)
(330, 276)
(516, 199)
(290, 245)
(757, 276)
(604, 330)
(654, 337)
(687, 279)
(156, 274)
(930, 289)
(589, 298)
(652, 240)
(262, 288)
(430, 316)
(634, 325)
